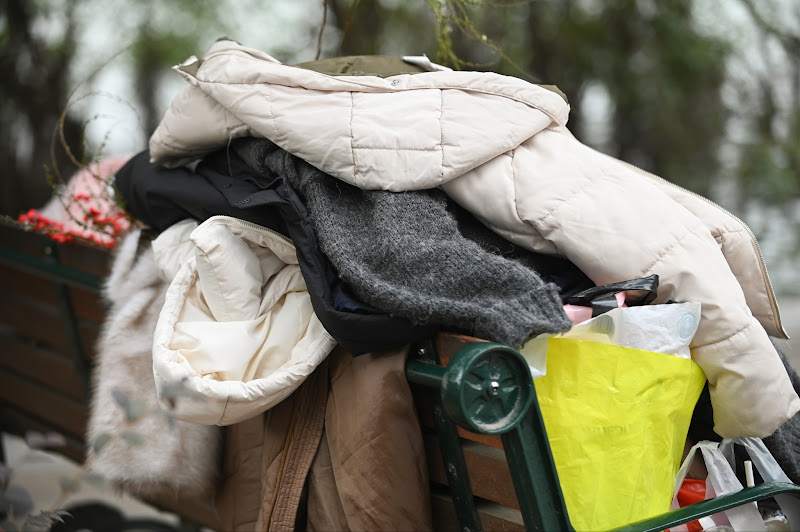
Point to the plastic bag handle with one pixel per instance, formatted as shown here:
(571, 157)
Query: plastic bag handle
(721, 481)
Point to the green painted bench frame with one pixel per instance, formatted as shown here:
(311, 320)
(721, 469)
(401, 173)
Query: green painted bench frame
(486, 388)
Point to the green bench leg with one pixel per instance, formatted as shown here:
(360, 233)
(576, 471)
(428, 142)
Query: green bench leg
(425, 371)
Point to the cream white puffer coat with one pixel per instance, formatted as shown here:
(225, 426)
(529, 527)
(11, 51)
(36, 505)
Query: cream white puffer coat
(237, 333)
(499, 146)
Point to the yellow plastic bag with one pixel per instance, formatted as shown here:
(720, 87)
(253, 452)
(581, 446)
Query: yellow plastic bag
(617, 420)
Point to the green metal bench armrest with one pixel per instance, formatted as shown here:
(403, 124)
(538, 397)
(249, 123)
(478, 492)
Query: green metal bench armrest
(486, 388)
(710, 507)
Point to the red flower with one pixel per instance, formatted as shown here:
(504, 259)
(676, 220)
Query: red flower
(95, 221)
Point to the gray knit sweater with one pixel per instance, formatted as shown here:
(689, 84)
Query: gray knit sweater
(404, 254)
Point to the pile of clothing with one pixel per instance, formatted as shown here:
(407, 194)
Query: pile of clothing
(314, 220)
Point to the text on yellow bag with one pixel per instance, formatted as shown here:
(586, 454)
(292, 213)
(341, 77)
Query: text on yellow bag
(617, 420)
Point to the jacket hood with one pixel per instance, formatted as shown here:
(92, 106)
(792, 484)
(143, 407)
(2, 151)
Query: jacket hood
(479, 117)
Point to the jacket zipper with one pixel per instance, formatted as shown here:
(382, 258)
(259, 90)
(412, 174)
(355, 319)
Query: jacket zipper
(260, 228)
(762, 264)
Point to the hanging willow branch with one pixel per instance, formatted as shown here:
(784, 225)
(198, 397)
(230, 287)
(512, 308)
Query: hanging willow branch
(453, 13)
(322, 28)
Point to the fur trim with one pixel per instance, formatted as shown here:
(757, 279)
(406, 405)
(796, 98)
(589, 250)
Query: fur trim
(177, 458)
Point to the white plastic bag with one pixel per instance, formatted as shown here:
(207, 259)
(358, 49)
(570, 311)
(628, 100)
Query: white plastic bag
(667, 328)
(660, 328)
(722, 480)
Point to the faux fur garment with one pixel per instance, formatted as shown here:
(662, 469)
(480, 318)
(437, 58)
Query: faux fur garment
(175, 459)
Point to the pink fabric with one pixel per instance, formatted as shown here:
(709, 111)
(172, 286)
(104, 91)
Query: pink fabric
(579, 314)
(85, 200)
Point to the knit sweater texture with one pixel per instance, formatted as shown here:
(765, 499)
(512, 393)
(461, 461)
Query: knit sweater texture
(405, 254)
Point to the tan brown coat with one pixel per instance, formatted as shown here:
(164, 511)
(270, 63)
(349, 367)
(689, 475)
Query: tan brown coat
(344, 452)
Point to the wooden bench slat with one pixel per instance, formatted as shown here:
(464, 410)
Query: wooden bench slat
(38, 400)
(44, 324)
(493, 516)
(48, 367)
(488, 470)
(25, 285)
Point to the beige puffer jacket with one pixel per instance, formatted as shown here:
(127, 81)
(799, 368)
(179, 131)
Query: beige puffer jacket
(499, 146)
(237, 332)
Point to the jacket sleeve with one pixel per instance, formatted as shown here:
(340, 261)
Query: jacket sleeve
(160, 197)
(565, 198)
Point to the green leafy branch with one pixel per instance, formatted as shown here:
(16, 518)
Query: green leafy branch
(455, 13)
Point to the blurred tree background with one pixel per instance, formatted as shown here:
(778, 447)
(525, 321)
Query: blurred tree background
(705, 93)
